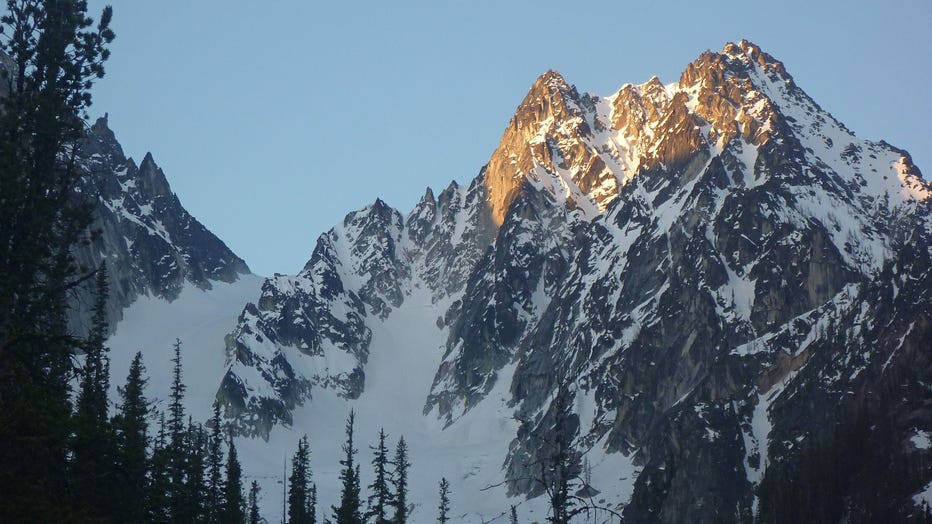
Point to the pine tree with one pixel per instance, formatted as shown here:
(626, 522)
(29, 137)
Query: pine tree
(214, 467)
(131, 430)
(444, 507)
(513, 519)
(233, 504)
(93, 441)
(400, 480)
(54, 54)
(349, 511)
(299, 485)
(254, 503)
(381, 496)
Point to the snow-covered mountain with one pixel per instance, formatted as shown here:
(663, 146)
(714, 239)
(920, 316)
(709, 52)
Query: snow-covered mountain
(151, 244)
(721, 275)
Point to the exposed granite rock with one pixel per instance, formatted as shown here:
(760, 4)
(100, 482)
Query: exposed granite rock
(151, 244)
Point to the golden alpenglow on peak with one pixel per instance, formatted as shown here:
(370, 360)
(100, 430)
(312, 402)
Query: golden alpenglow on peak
(584, 148)
(546, 140)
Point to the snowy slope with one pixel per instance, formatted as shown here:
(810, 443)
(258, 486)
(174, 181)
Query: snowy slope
(711, 267)
(199, 319)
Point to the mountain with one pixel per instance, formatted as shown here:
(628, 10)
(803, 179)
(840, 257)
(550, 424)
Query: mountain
(717, 290)
(151, 244)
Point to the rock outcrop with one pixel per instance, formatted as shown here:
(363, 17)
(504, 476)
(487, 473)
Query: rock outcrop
(707, 268)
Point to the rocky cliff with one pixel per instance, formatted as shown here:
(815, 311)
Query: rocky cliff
(151, 244)
(716, 271)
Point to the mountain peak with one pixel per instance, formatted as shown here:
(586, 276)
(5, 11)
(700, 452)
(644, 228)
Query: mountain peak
(553, 80)
(546, 99)
(549, 104)
(747, 52)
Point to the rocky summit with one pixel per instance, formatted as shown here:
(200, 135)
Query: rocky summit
(150, 243)
(713, 288)
(720, 274)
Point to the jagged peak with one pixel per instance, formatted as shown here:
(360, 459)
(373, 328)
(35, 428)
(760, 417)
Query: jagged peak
(744, 49)
(735, 59)
(147, 160)
(380, 206)
(151, 176)
(100, 139)
(553, 80)
(101, 126)
(747, 52)
(377, 211)
(549, 96)
(101, 130)
(652, 83)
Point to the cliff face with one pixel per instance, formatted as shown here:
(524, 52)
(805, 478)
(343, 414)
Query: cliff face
(151, 244)
(708, 268)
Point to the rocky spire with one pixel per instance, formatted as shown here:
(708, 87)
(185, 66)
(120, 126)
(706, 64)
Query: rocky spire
(550, 100)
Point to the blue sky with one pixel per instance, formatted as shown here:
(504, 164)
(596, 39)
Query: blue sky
(272, 120)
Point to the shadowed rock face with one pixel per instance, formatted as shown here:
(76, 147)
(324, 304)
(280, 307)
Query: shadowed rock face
(693, 263)
(151, 244)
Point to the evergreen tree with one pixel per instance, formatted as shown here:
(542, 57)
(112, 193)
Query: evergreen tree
(513, 519)
(54, 53)
(214, 467)
(131, 427)
(233, 504)
(159, 490)
(254, 503)
(381, 496)
(444, 508)
(176, 435)
(93, 442)
(194, 490)
(349, 511)
(299, 485)
(400, 480)
(557, 470)
(312, 504)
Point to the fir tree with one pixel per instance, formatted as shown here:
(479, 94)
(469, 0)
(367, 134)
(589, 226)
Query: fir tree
(233, 504)
(54, 54)
(443, 509)
(160, 485)
(349, 511)
(299, 485)
(93, 442)
(194, 502)
(381, 496)
(214, 467)
(312, 504)
(400, 480)
(176, 435)
(254, 503)
(557, 470)
(513, 519)
(131, 430)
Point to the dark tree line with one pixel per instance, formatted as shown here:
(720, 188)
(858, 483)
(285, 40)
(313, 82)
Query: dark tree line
(388, 499)
(64, 460)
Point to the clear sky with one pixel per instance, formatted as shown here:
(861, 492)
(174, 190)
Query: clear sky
(274, 119)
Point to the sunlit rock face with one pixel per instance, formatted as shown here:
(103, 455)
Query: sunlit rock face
(716, 269)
